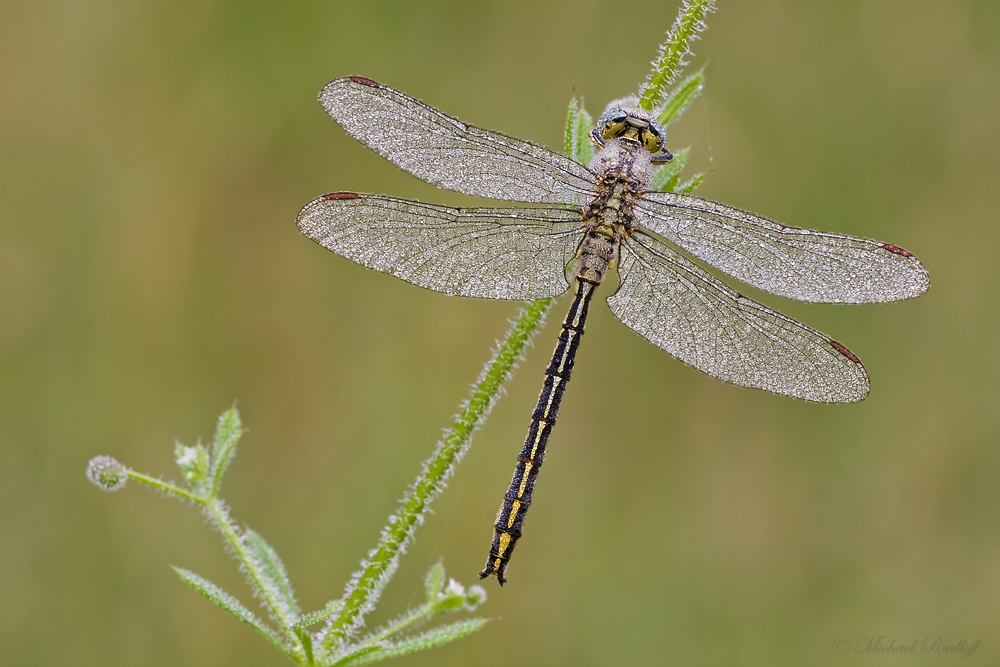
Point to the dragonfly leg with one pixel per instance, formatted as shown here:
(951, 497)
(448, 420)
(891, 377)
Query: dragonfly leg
(596, 137)
(662, 157)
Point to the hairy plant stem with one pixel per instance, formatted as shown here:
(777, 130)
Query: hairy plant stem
(216, 511)
(689, 22)
(436, 470)
(220, 517)
(423, 611)
(165, 486)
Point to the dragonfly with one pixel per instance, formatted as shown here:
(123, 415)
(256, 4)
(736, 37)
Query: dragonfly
(593, 220)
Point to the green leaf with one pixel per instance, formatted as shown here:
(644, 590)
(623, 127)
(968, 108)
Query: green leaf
(670, 60)
(275, 577)
(680, 98)
(307, 644)
(430, 639)
(584, 149)
(450, 603)
(572, 126)
(437, 636)
(576, 139)
(668, 175)
(227, 434)
(689, 186)
(434, 582)
(193, 462)
(227, 602)
(362, 655)
(454, 597)
(314, 617)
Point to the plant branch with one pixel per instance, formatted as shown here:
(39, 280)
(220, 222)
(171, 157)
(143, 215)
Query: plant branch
(166, 486)
(220, 517)
(687, 25)
(367, 585)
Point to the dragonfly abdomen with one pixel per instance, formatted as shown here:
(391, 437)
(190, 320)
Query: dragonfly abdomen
(510, 518)
(596, 252)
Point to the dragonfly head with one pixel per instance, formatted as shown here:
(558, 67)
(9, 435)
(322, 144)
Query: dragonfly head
(637, 126)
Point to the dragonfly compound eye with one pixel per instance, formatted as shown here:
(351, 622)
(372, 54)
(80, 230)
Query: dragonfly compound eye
(614, 129)
(651, 141)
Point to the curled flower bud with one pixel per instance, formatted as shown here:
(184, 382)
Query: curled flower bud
(107, 473)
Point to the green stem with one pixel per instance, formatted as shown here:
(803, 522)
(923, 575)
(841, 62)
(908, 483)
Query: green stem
(686, 27)
(220, 518)
(423, 611)
(165, 486)
(436, 470)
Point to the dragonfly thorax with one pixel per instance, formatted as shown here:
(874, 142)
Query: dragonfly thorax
(624, 162)
(623, 170)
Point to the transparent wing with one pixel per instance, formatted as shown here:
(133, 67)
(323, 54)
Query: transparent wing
(492, 253)
(788, 261)
(448, 153)
(695, 317)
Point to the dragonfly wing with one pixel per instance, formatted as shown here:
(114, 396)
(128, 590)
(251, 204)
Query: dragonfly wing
(686, 311)
(788, 261)
(492, 253)
(448, 153)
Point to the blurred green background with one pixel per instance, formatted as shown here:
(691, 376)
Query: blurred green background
(154, 156)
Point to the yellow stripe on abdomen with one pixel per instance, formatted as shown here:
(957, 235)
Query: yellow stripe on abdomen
(514, 509)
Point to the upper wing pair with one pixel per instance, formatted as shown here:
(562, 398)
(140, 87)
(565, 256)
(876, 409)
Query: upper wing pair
(788, 261)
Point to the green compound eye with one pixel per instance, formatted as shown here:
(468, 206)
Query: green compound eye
(651, 141)
(614, 129)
